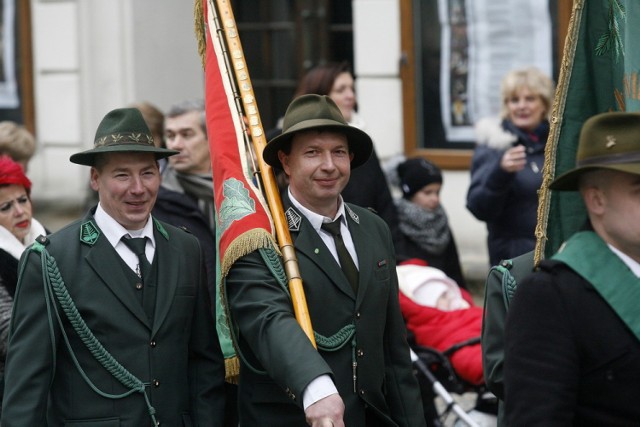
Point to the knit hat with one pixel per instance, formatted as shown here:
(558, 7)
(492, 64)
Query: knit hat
(416, 173)
(12, 173)
(121, 131)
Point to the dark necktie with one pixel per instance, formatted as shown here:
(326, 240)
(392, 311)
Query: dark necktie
(346, 262)
(138, 246)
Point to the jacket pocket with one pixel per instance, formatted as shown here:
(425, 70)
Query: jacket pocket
(96, 422)
(186, 420)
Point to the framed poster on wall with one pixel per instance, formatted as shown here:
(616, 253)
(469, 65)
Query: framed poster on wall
(8, 82)
(456, 53)
(16, 78)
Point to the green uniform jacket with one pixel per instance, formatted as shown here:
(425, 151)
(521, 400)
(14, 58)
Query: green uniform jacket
(178, 355)
(270, 339)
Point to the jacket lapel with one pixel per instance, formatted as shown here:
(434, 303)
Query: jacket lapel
(167, 279)
(309, 244)
(364, 250)
(106, 262)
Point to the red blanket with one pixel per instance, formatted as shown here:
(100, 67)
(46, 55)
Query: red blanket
(442, 329)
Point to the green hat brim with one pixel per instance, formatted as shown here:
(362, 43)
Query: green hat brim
(87, 158)
(360, 143)
(570, 181)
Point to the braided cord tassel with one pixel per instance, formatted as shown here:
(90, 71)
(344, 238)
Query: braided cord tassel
(54, 286)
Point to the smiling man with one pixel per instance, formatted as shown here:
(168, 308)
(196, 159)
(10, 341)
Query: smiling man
(361, 373)
(124, 335)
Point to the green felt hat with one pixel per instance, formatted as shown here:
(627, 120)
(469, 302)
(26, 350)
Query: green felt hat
(121, 131)
(317, 112)
(607, 141)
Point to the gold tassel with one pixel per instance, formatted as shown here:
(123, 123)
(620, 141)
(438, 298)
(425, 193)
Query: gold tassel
(232, 369)
(200, 29)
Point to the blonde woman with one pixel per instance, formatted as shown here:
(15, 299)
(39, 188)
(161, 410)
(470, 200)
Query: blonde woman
(506, 170)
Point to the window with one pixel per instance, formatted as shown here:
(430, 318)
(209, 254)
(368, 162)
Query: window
(282, 39)
(438, 102)
(16, 74)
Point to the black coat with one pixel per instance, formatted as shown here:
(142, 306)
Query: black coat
(181, 210)
(177, 351)
(271, 340)
(569, 358)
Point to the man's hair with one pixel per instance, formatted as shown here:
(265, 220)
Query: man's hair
(188, 106)
(594, 178)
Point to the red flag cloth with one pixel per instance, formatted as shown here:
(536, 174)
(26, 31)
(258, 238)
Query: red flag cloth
(244, 224)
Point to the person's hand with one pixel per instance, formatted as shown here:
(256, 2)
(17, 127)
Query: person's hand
(326, 412)
(514, 159)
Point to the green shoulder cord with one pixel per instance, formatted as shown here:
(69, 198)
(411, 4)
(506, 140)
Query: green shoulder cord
(54, 287)
(333, 343)
(508, 283)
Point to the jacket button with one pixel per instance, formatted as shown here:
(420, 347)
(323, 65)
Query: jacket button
(358, 315)
(361, 392)
(138, 286)
(360, 353)
(152, 343)
(156, 383)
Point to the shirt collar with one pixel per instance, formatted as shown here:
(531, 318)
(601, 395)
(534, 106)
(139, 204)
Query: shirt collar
(315, 219)
(633, 265)
(113, 231)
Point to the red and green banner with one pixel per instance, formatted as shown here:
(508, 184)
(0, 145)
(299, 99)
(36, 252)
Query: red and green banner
(243, 223)
(599, 73)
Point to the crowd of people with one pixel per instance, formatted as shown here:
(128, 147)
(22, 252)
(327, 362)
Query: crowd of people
(119, 318)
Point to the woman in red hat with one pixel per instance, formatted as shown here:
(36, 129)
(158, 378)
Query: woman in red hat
(18, 229)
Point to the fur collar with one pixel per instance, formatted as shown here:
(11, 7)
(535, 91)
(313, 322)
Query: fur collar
(489, 132)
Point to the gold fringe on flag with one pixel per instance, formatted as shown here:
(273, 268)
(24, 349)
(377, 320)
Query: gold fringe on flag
(557, 110)
(200, 30)
(245, 244)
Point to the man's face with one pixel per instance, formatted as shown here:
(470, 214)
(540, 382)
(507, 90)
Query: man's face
(127, 184)
(615, 211)
(318, 166)
(184, 134)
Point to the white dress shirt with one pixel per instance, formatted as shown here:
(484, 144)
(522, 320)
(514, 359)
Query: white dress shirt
(114, 232)
(323, 386)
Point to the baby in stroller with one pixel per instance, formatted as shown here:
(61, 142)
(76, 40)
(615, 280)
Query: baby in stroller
(441, 315)
(444, 326)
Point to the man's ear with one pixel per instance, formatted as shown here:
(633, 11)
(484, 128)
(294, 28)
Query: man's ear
(594, 199)
(94, 179)
(284, 160)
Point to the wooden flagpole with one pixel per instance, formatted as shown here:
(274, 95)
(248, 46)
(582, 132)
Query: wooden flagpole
(236, 69)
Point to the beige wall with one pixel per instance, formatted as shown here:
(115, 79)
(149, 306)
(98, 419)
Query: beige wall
(94, 55)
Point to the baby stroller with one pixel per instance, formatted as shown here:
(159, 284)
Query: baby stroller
(444, 327)
(448, 399)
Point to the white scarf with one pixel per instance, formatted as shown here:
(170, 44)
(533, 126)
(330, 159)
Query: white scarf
(15, 247)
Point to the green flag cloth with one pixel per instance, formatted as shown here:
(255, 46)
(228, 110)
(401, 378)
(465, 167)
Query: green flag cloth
(599, 73)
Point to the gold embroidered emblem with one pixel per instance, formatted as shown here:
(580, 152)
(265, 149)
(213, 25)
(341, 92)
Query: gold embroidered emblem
(611, 141)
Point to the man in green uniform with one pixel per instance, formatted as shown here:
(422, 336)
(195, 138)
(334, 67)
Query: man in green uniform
(572, 339)
(107, 333)
(361, 374)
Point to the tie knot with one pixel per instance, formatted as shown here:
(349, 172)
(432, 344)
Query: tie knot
(332, 227)
(136, 244)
